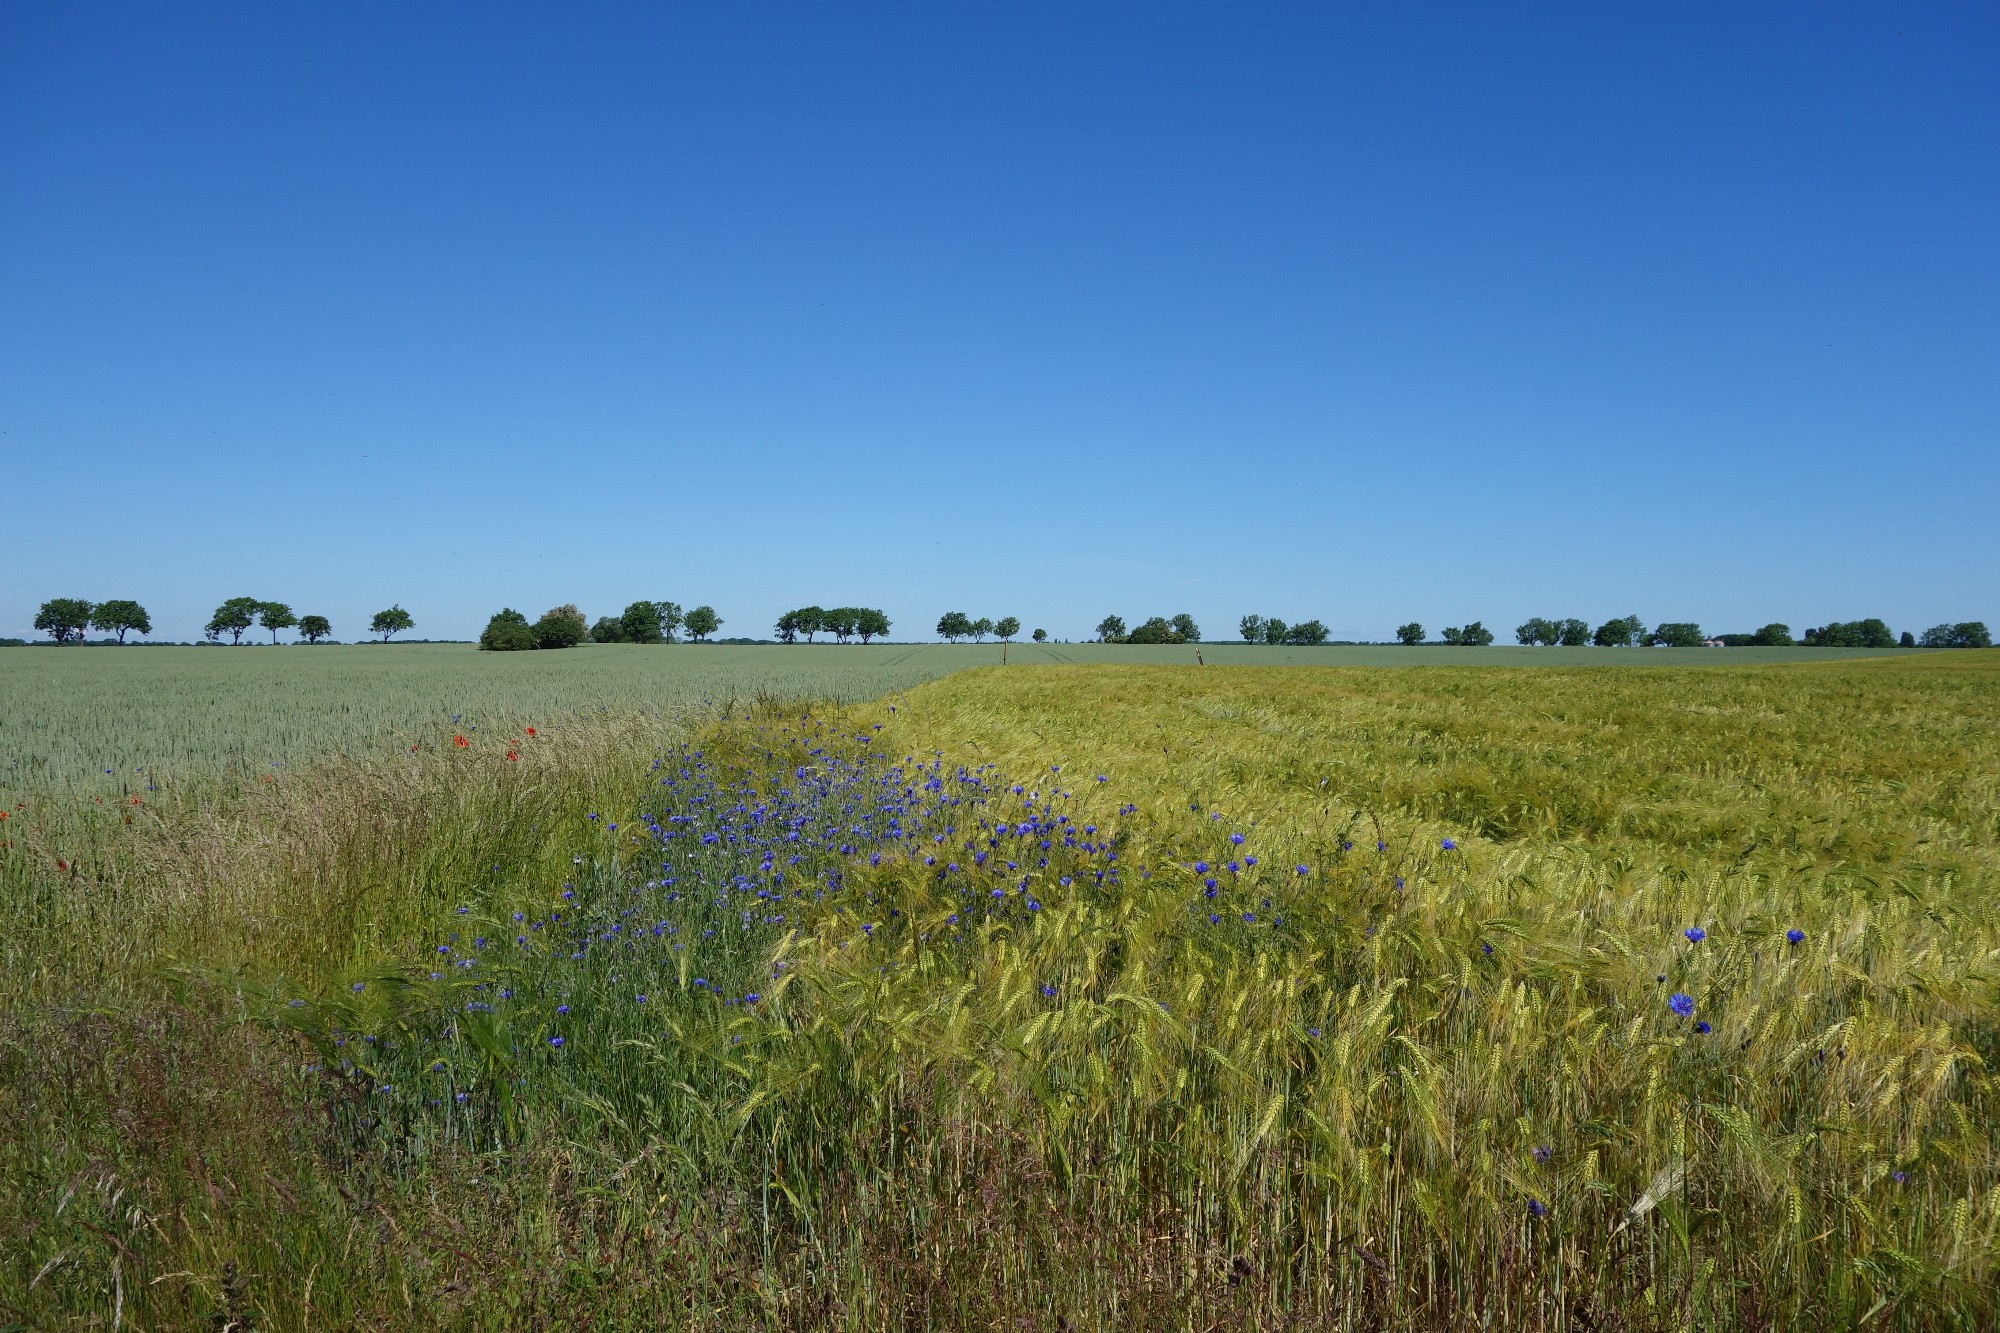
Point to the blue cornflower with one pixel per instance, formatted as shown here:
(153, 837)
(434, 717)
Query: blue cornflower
(752, 998)
(1681, 1003)
(1236, 838)
(1448, 845)
(1536, 1208)
(462, 1098)
(1201, 867)
(1543, 1153)
(1049, 992)
(1303, 870)
(1312, 1032)
(1794, 935)
(1213, 918)
(556, 1042)
(1249, 916)
(1897, 1176)
(638, 999)
(1695, 934)
(359, 986)
(1486, 948)
(1703, 1028)
(562, 1008)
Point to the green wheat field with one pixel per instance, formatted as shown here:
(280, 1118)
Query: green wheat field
(866, 988)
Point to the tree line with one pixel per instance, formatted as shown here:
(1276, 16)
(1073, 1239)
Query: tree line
(565, 626)
(1271, 630)
(66, 618)
(955, 625)
(1632, 632)
(843, 622)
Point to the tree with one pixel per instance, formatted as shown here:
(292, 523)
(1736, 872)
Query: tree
(702, 622)
(1773, 635)
(981, 628)
(1870, 633)
(62, 618)
(232, 618)
(1677, 634)
(1185, 627)
(1908, 640)
(1474, 635)
(1537, 631)
(395, 620)
(120, 617)
(1572, 633)
(1411, 634)
(275, 616)
(787, 627)
(1041, 636)
(871, 623)
(1007, 627)
(1155, 629)
(640, 623)
(508, 632)
(1965, 634)
(1310, 634)
(1622, 633)
(809, 620)
(607, 630)
(953, 626)
(561, 627)
(314, 628)
(1275, 630)
(844, 622)
(671, 619)
(1251, 628)
(1111, 629)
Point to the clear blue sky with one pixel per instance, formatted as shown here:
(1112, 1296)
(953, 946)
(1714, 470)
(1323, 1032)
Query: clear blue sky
(1366, 314)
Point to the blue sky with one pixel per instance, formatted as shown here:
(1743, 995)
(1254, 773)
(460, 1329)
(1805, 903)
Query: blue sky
(1422, 312)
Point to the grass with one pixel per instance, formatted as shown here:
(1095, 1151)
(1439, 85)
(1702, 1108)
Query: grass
(1417, 1086)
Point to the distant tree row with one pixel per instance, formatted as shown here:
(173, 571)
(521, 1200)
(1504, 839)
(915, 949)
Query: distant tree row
(843, 622)
(955, 625)
(1158, 629)
(64, 619)
(565, 627)
(1270, 629)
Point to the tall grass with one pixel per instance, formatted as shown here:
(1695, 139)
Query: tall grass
(1417, 1085)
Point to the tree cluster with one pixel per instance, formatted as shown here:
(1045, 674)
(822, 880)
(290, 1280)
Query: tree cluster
(843, 622)
(1157, 629)
(1870, 633)
(1270, 629)
(238, 615)
(641, 622)
(955, 625)
(64, 619)
(1965, 634)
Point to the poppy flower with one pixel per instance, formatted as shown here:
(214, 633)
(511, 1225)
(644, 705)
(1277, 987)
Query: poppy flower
(513, 754)
(62, 864)
(460, 742)
(531, 731)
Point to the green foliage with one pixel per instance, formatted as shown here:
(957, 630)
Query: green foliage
(1773, 635)
(871, 623)
(1965, 634)
(1538, 631)
(1410, 634)
(953, 626)
(1007, 627)
(1677, 634)
(1041, 636)
(1157, 629)
(608, 630)
(64, 618)
(671, 619)
(1309, 634)
(1851, 634)
(1111, 629)
(1251, 628)
(1474, 635)
(1572, 633)
(1627, 632)
(314, 628)
(561, 627)
(508, 632)
(1275, 630)
(643, 622)
(121, 617)
(275, 616)
(1185, 627)
(702, 622)
(395, 620)
(981, 628)
(233, 617)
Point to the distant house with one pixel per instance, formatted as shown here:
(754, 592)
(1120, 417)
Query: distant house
(1713, 643)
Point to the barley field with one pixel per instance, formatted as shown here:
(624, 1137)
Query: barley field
(1073, 996)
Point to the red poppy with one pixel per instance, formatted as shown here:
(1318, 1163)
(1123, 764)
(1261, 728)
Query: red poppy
(460, 742)
(61, 864)
(137, 801)
(6, 814)
(531, 731)
(512, 755)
